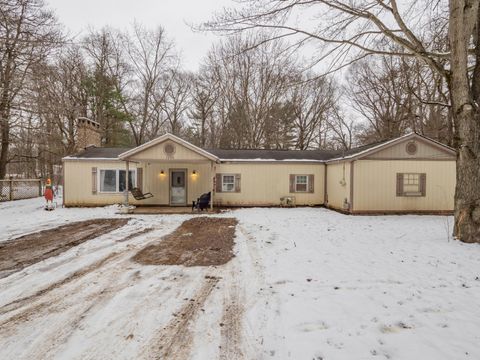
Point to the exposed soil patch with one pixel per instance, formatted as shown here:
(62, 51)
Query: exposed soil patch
(174, 341)
(202, 241)
(231, 330)
(24, 251)
(79, 273)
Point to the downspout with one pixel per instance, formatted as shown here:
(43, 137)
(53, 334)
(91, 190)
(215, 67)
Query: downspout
(212, 179)
(351, 184)
(63, 183)
(325, 192)
(127, 173)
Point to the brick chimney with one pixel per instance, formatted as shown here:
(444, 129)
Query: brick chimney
(88, 133)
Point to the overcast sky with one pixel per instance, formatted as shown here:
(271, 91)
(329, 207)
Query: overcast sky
(173, 15)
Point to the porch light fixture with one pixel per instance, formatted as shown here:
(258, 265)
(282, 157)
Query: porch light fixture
(194, 172)
(162, 172)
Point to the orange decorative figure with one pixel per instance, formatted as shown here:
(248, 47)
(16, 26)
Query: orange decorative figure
(48, 194)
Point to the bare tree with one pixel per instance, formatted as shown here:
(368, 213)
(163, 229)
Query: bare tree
(351, 30)
(429, 92)
(204, 98)
(396, 95)
(28, 32)
(176, 100)
(252, 85)
(380, 94)
(314, 101)
(152, 58)
(340, 131)
(61, 97)
(105, 82)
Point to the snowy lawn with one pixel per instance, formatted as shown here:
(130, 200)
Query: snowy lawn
(306, 283)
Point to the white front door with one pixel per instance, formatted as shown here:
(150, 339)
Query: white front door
(178, 187)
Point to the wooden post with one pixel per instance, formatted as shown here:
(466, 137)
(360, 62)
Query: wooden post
(212, 177)
(127, 165)
(63, 184)
(39, 187)
(11, 188)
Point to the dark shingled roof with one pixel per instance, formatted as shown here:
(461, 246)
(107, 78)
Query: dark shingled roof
(240, 154)
(92, 152)
(321, 155)
(360, 148)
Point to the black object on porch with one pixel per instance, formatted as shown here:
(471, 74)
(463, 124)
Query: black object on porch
(138, 195)
(203, 202)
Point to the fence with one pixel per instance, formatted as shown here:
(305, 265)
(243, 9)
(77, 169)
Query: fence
(16, 189)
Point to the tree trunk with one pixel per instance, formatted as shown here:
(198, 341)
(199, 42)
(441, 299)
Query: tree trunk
(467, 193)
(4, 131)
(4, 150)
(463, 14)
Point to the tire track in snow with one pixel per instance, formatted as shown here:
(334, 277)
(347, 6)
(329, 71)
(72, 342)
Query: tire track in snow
(16, 304)
(40, 302)
(251, 245)
(62, 316)
(135, 229)
(174, 341)
(61, 334)
(46, 305)
(27, 250)
(232, 316)
(260, 297)
(236, 341)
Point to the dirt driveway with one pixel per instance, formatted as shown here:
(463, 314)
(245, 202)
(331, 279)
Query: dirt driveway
(146, 310)
(202, 241)
(29, 249)
(302, 283)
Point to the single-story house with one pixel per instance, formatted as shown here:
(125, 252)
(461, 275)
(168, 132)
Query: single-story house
(409, 174)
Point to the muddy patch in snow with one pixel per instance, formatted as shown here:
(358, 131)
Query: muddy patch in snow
(174, 341)
(24, 251)
(202, 241)
(14, 305)
(231, 326)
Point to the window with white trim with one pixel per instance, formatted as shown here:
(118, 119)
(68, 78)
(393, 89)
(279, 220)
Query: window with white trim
(228, 183)
(301, 183)
(114, 180)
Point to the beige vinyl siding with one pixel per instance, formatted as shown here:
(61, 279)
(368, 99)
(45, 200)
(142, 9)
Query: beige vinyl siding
(159, 185)
(78, 183)
(375, 186)
(157, 152)
(338, 184)
(424, 151)
(263, 183)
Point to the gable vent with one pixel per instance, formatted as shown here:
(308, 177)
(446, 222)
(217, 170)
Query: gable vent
(169, 149)
(411, 148)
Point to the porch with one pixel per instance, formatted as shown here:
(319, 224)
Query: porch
(171, 210)
(174, 184)
(175, 172)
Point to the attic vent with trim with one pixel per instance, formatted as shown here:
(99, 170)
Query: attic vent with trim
(411, 148)
(169, 150)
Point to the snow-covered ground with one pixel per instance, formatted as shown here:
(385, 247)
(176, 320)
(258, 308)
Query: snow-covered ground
(306, 283)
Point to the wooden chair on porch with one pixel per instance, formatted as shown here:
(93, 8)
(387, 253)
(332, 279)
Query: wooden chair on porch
(138, 195)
